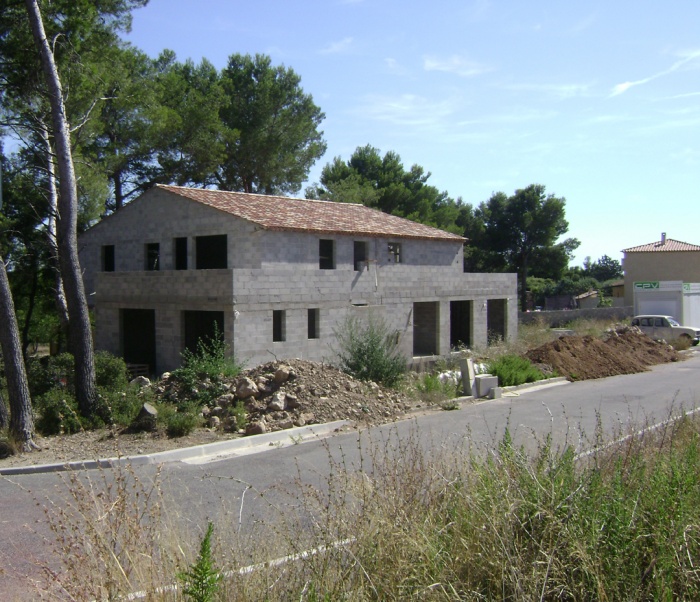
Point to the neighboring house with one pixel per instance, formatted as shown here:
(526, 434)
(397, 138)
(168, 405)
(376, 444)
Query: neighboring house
(617, 291)
(587, 300)
(277, 276)
(664, 260)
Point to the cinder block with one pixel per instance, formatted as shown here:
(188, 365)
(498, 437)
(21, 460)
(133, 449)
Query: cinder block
(484, 384)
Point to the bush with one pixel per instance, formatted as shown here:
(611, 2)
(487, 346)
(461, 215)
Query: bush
(514, 370)
(210, 361)
(433, 390)
(368, 350)
(180, 424)
(57, 413)
(110, 372)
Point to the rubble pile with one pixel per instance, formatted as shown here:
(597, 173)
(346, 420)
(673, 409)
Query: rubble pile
(624, 350)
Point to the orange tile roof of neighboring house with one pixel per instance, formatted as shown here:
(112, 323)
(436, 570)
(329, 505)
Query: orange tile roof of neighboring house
(663, 245)
(303, 215)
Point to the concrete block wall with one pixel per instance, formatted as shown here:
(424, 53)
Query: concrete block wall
(273, 271)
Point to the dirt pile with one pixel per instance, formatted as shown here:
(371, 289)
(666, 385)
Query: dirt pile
(624, 350)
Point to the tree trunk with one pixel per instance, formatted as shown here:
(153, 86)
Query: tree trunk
(59, 293)
(21, 419)
(30, 307)
(4, 416)
(67, 225)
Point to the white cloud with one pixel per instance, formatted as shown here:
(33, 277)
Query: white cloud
(561, 91)
(685, 60)
(338, 47)
(456, 64)
(406, 110)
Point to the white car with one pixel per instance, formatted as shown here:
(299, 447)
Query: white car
(666, 328)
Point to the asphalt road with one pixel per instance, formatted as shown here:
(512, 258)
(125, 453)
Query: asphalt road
(247, 489)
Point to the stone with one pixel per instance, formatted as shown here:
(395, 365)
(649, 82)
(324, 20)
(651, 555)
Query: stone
(285, 424)
(278, 402)
(299, 421)
(214, 422)
(141, 382)
(282, 375)
(226, 400)
(206, 412)
(146, 419)
(217, 411)
(245, 388)
(256, 428)
(292, 401)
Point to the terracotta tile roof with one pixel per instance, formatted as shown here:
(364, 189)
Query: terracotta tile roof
(663, 245)
(303, 215)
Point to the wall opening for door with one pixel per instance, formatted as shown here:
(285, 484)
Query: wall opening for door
(460, 324)
(425, 328)
(496, 320)
(202, 325)
(138, 337)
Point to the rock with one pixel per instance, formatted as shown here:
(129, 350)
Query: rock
(282, 375)
(227, 400)
(299, 421)
(214, 422)
(256, 428)
(245, 388)
(307, 417)
(217, 411)
(292, 401)
(206, 412)
(141, 382)
(146, 419)
(277, 403)
(165, 376)
(285, 424)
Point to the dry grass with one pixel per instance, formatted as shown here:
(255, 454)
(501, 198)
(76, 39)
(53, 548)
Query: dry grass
(417, 522)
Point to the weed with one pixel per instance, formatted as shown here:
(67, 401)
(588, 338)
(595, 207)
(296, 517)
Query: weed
(240, 415)
(514, 370)
(201, 581)
(209, 364)
(57, 413)
(182, 423)
(368, 350)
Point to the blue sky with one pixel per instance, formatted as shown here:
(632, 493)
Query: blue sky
(599, 101)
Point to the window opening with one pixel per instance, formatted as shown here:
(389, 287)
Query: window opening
(278, 325)
(395, 252)
(153, 256)
(108, 258)
(212, 252)
(326, 254)
(181, 253)
(460, 324)
(313, 328)
(360, 255)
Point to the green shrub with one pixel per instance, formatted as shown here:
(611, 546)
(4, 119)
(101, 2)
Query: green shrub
(240, 415)
(201, 581)
(211, 361)
(110, 372)
(49, 373)
(57, 413)
(514, 370)
(432, 390)
(125, 405)
(180, 424)
(368, 350)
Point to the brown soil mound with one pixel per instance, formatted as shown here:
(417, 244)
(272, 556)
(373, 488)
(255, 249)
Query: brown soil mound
(625, 350)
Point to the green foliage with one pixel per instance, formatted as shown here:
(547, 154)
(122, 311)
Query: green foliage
(201, 371)
(240, 415)
(201, 581)
(57, 413)
(270, 127)
(519, 233)
(433, 390)
(110, 372)
(369, 351)
(182, 423)
(384, 183)
(605, 268)
(514, 370)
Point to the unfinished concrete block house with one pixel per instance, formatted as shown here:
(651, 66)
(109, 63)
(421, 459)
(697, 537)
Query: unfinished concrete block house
(277, 276)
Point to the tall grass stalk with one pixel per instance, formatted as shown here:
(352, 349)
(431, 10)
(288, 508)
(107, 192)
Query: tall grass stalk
(454, 523)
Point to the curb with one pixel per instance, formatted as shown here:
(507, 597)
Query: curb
(224, 448)
(540, 384)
